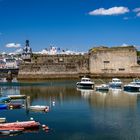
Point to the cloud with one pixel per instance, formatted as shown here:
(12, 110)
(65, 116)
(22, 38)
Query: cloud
(136, 10)
(111, 11)
(124, 45)
(13, 45)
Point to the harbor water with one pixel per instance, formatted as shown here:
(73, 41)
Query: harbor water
(75, 114)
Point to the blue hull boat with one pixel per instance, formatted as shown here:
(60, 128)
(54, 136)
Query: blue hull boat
(5, 99)
(3, 106)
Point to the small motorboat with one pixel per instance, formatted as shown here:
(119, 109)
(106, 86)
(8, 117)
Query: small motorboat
(133, 86)
(5, 99)
(2, 120)
(85, 83)
(116, 83)
(16, 96)
(39, 108)
(102, 88)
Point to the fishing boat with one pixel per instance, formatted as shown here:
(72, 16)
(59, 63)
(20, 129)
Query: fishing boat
(115, 83)
(3, 106)
(85, 83)
(133, 86)
(102, 88)
(5, 99)
(39, 108)
(24, 124)
(16, 96)
(2, 120)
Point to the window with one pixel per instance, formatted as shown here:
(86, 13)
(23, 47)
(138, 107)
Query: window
(106, 61)
(121, 69)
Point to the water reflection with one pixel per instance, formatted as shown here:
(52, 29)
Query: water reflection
(113, 98)
(80, 114)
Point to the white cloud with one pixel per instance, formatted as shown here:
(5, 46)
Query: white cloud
(136, 10)
(124, 45)
(13, 45)
(110, 11)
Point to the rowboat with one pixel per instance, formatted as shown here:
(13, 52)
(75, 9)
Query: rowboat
(39, 108)
(16, 96)
(24, 124)
(11, 131)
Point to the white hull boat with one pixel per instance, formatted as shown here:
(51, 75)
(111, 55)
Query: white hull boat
(85, 83)
(39, 108)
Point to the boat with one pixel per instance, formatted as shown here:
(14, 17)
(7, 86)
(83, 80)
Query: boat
(5, 99)
(132, 86)
(2, 120)
(39, 108)
(115, 83)
(3, 106)
(24, 124)
(16, 96)
(102, 88)
(11, 131)
(14, 105)
(85, 83)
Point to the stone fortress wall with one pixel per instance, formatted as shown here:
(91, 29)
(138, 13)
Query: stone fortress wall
(99, 62)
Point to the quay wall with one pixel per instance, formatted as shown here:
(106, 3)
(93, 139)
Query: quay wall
(101, 62)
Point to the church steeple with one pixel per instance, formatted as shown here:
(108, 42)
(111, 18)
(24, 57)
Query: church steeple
(27, 52)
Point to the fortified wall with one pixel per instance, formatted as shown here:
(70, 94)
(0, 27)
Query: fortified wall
(101, 62)
(115, 61)
(54, 66)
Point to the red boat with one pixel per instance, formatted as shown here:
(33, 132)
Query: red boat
(14, 105)
(24, 124)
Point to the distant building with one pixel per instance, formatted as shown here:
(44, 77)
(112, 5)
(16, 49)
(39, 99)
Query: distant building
(2, 64)
(27, 52)
(10, 63)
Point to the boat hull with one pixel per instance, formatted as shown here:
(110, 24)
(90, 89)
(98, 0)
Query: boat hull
(131, 89)
(85, 86)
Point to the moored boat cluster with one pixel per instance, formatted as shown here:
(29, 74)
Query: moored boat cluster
(18, 127)
(86, 83)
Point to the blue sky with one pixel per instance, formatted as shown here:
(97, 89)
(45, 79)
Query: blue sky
(69, 24)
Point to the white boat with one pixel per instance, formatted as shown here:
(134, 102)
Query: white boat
(102, 87)
(16, 96)
(2, 120)
(133, 86)
(85, 83)
(115, 83)
(39, 108)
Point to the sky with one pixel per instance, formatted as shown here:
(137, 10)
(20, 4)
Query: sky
(76, 25)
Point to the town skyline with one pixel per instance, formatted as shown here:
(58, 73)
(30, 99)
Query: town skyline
(75, 25)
